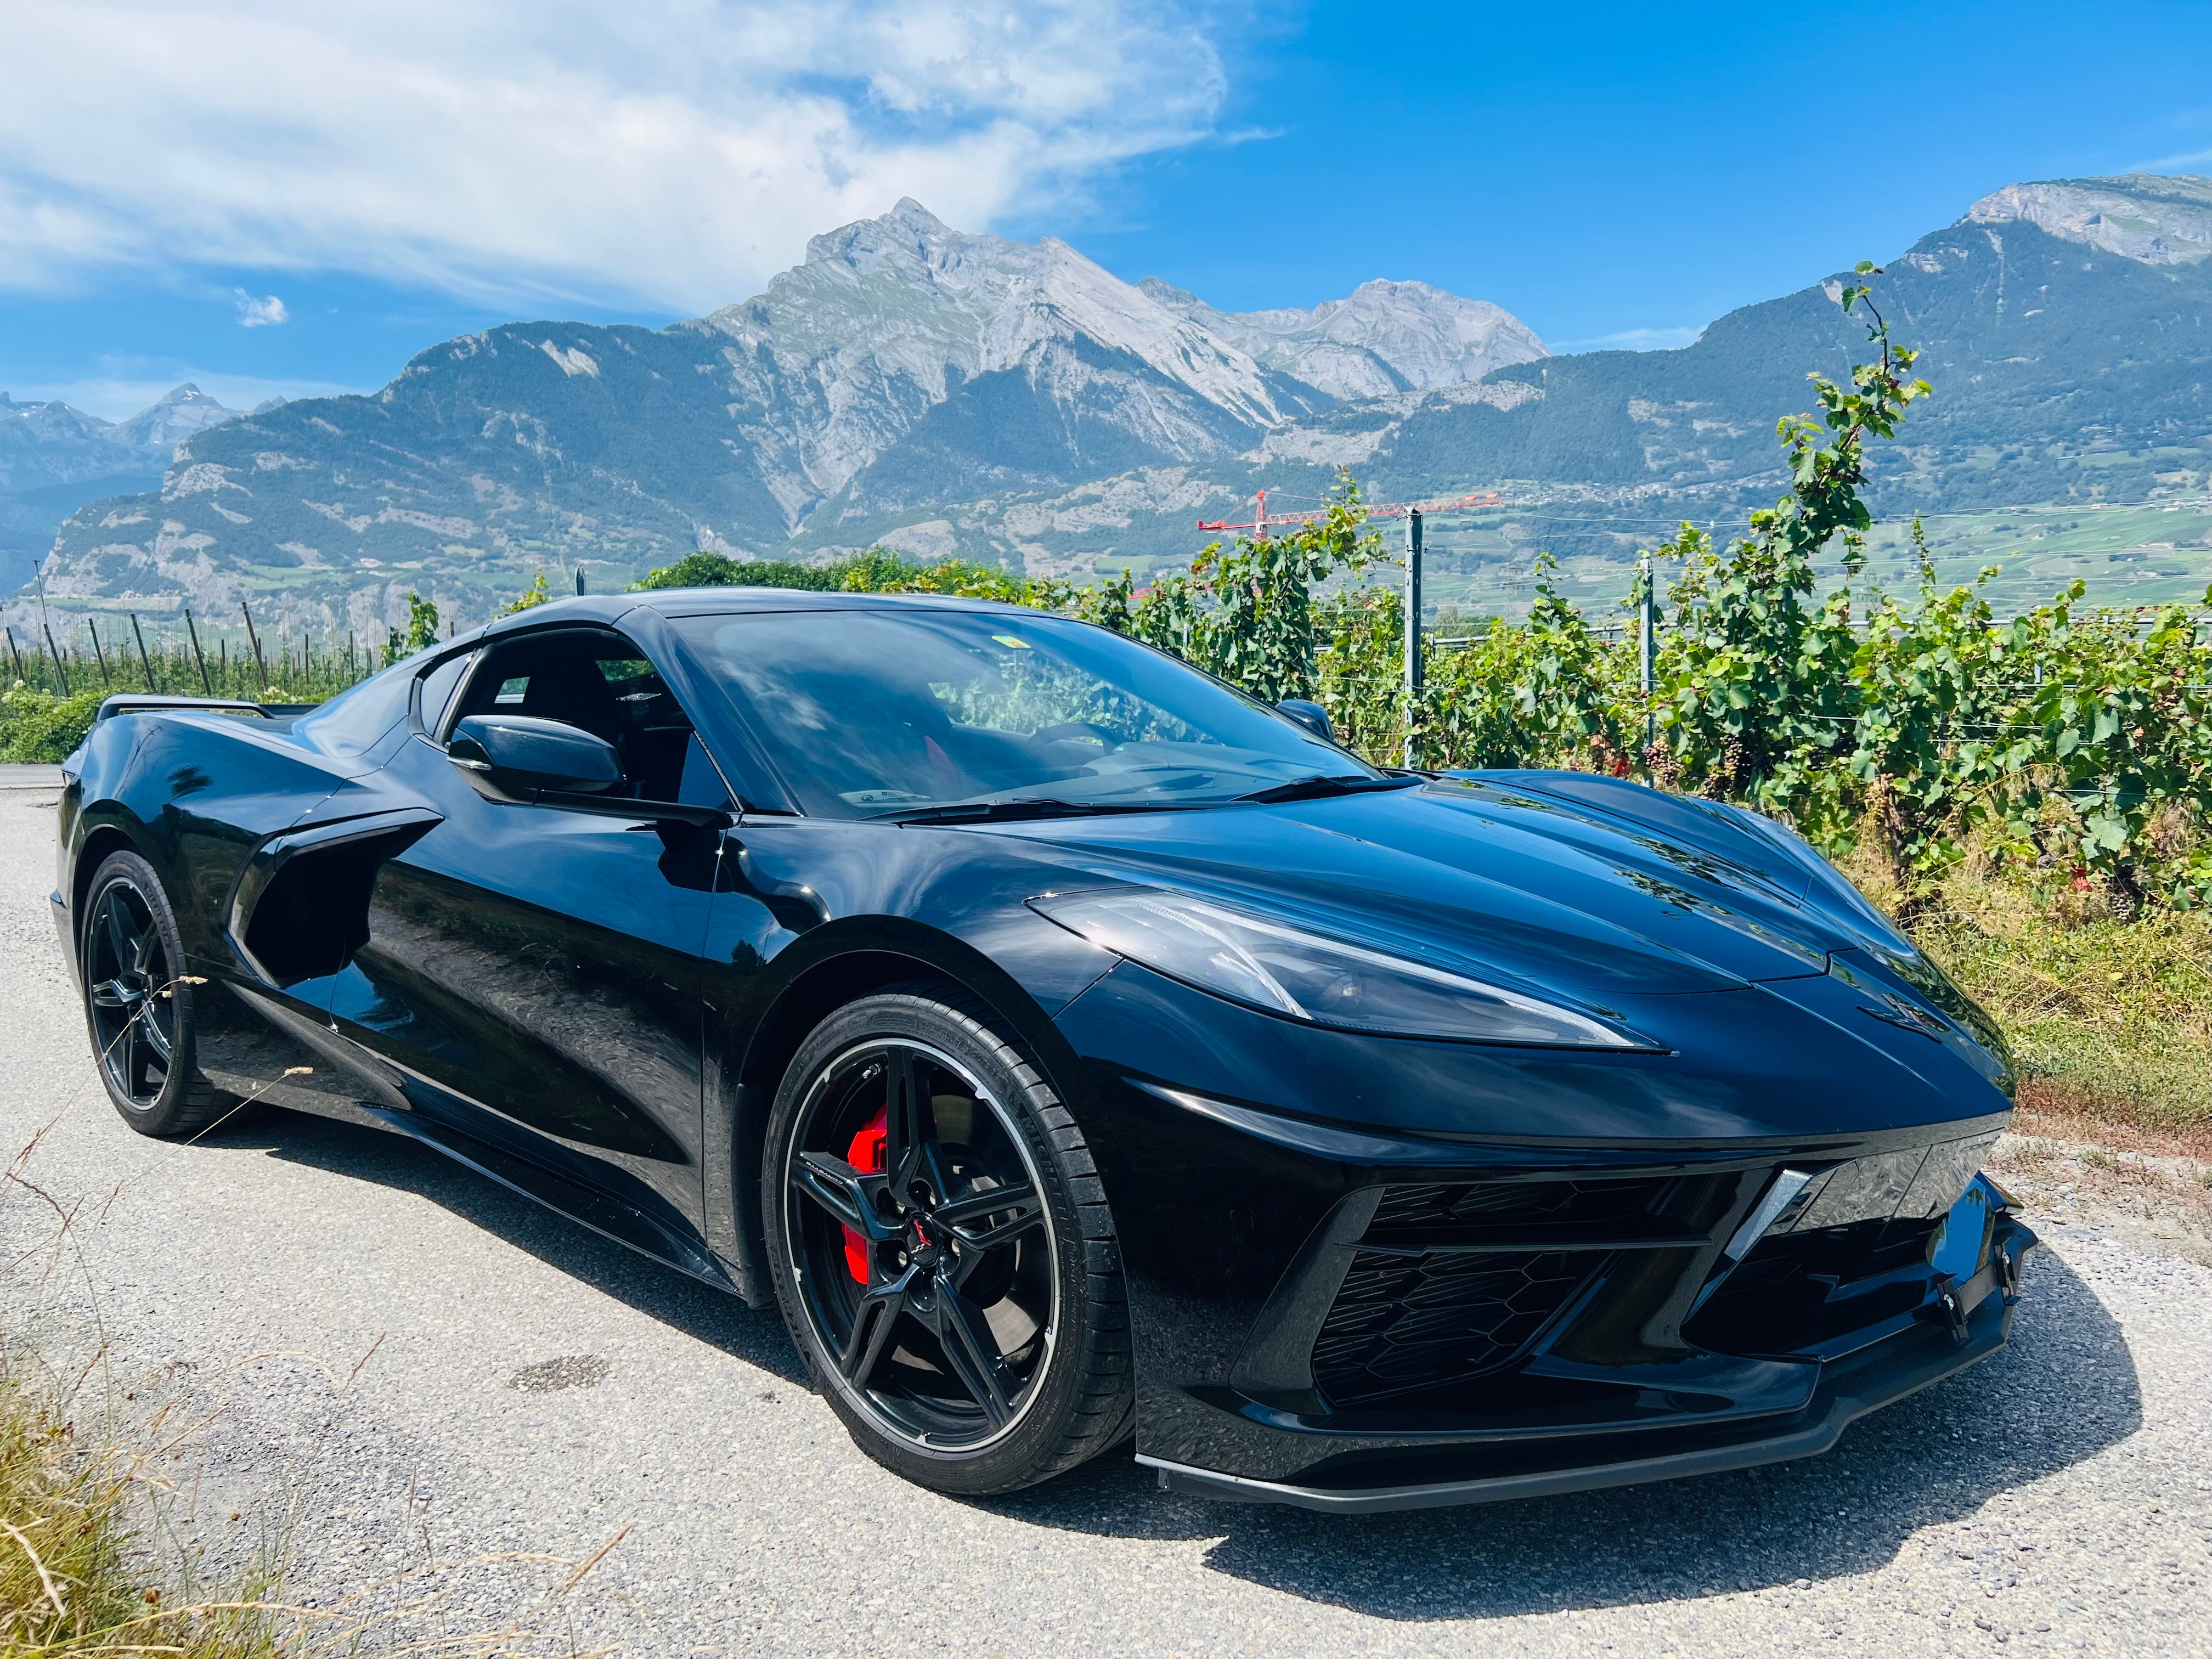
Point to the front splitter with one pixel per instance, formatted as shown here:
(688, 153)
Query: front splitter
(1849, 1389)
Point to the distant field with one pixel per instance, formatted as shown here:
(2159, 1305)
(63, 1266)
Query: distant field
(2140, 555)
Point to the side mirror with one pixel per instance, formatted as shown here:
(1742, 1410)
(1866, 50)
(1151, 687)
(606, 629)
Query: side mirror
(518, 754)
(1312, 716)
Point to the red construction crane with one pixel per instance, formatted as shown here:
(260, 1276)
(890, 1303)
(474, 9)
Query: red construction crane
(1261, 519)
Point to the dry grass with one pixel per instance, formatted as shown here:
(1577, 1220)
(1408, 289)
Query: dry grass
(95, 1555)
(97, 1540)
(65, 1583)
(2153, 1188)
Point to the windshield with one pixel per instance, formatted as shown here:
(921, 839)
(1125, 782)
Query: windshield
(878, 713)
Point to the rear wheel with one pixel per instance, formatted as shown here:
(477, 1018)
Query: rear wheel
(942, 1248)
(138, 1008)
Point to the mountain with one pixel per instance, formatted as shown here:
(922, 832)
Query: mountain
(903, 368)
(913, 386)
(54, 458)
(1386, 336)
(2161, 222)
(161, 427)
(2066, 327)
(899, 330)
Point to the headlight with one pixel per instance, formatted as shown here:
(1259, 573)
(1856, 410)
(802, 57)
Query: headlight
(1322, 981)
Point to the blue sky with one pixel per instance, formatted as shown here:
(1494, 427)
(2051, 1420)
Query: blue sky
(1612, 174)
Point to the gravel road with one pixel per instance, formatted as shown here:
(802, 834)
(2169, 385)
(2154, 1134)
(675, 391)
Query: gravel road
(529, 1387)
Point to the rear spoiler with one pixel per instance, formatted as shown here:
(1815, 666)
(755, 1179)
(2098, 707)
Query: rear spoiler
(125, 702)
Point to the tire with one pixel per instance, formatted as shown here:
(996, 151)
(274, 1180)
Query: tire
(927, 1327)
(137, 1010)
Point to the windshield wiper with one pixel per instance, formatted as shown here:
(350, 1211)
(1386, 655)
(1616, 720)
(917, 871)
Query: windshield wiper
(1317, 787)
(1010, 812)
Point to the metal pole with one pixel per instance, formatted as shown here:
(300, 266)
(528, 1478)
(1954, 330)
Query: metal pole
(1412, 630)
(260, 667)
(198, 655)
(18, 656)
(145, 661)
(580, 581)
(93, 629)
(1647, 629)
(59, 668)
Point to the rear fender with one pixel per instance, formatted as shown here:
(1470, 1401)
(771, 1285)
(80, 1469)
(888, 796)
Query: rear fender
(194, 800)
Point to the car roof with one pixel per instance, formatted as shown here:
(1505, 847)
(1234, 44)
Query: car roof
(716, 601)
(610, 608)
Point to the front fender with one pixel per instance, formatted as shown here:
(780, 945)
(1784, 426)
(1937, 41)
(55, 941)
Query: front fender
(806, 918)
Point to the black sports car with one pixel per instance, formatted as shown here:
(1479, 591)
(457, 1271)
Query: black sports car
(1071, 1045)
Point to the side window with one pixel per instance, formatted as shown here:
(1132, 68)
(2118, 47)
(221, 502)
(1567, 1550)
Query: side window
(702, 784)
(438, 688)
(602, 682)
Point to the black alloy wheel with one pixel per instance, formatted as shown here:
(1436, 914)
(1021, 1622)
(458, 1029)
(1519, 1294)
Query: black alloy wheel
(931, 1253)
(138, 1006)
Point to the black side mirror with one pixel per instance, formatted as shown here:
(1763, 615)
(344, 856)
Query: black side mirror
(523, 761)
(1312, 716)
(520, 754)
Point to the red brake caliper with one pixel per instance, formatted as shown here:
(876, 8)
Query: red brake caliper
(866, 1153)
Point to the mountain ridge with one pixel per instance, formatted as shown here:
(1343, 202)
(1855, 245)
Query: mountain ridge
(1384, 337)
(914, 386)
(55, 458)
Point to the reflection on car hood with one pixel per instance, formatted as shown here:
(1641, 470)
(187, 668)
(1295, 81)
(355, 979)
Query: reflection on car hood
(1631, 892)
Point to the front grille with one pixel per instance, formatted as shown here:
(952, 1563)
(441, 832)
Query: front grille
(1540, 1211)
(1403, 1323)
(1453, 1280)
(1801, 1290)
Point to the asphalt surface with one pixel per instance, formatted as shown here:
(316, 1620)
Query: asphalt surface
(394, 1362)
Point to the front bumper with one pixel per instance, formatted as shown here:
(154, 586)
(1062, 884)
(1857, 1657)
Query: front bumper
(1440, 1475)
(1548, 1272)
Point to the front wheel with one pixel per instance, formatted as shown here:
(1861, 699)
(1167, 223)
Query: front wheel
(941, 1249)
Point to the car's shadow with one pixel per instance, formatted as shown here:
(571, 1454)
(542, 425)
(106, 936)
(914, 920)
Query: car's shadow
(2064, 1390)
(391, 1159)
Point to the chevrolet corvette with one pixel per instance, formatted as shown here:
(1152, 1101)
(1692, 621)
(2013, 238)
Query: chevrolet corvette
(1073, 1049)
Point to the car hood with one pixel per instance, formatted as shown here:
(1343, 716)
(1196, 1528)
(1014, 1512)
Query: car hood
(1509, 874)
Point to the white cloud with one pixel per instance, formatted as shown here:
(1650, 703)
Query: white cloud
(667, 153)
(1666, 338)
(258, 313)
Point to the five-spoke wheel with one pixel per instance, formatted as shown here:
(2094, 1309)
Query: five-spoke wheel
(935, 1228)
(915, 1225)
(131, 993)
(138, 1003)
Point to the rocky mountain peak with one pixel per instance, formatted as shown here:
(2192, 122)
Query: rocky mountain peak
(1384, 337)
(2158, 220)
(909, 227)
(884, 286)
(173, 417)
(889, 318)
